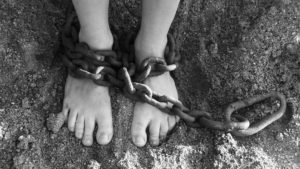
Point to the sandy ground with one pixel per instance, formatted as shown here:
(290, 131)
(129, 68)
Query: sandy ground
(230, 50)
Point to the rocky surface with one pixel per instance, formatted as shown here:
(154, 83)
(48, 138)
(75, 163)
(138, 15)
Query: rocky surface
(230, 50)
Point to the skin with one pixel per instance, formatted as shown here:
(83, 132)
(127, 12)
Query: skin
(87, 104)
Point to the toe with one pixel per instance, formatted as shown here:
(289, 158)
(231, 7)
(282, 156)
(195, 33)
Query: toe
(71, 120)
(171, 122)
(89, 125)
(154, 132)
(138, 130)
(79, 127)
(65, 110)
(105, 131)
(177, 118)
(164, 128)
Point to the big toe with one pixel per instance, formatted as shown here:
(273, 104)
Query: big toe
(105, 131)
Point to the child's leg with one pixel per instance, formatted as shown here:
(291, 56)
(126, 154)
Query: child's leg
(157, 17)
(86, 103)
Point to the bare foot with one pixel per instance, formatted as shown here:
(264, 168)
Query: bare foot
(87, 104)
(147, 116)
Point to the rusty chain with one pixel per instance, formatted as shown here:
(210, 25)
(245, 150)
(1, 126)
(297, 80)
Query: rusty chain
(108, 68)
(264, 122)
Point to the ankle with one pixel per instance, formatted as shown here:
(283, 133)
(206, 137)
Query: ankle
(97, 39)
(146, 47)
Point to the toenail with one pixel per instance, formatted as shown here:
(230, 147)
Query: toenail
(103, 138)
(162, 138)
(154, 142)
(88, 141)
(78, 135)
(139, 141)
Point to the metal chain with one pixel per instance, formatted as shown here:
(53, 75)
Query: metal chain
(108, 68)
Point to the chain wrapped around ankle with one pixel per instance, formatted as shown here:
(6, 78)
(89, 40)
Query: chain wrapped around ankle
(118, 69)
(83, 62)
(154, 66)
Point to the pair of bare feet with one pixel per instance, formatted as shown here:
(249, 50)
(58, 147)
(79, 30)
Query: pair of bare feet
(87, 105)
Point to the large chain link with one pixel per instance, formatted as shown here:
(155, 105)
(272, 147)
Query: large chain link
(108, 68)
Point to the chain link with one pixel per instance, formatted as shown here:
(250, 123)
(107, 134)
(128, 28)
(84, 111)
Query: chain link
(108, 68)
(264, 122)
